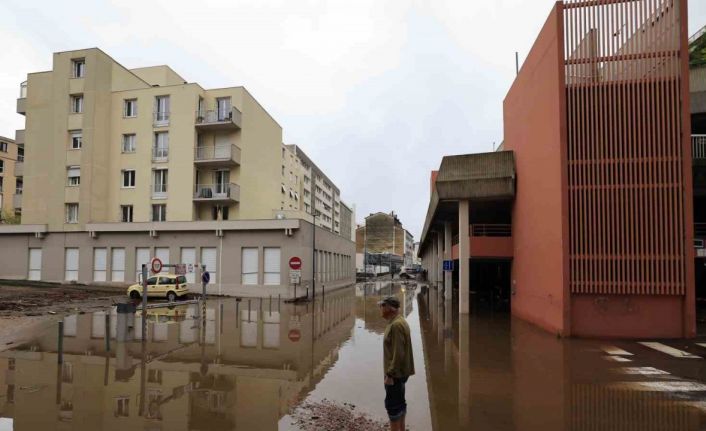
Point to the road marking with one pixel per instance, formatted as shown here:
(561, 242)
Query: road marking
(669, 350)
(665, 386)
(617, 359)
(643, 371)
(612, 350)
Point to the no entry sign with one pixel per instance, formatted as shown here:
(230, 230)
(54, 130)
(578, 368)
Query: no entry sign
(156, 265)
(295, 335)
(295, 263)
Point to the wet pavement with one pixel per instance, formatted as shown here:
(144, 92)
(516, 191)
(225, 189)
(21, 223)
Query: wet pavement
(247, 365)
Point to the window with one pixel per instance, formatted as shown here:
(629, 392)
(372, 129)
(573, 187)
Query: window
(122, 407)
(283, 170)
(3, 147)
(1, 178)
(128, 178)
(73, 175)
(272, 265)
(142, 256)
(2, 166)
(161, 110)
(249, 266)
(126, 213)
(159, 212)
(71, 213)
(188, 257)
(129, 143)
(117, 265)
(76, 139)
(20, 154)
(100, 264)
(223, 108)
(77, 103)
(71, 264)
(130, 108)
(221, 211)
(78, 67)
(159, 183)
(19, 185)
(35, 264)
(160, 150)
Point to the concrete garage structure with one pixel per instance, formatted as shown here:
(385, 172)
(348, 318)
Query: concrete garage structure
(598, 239)
(244, 257)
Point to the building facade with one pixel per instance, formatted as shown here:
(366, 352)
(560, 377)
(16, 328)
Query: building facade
(11, 180)
(597, 238)
(383, 241)
(138, 161)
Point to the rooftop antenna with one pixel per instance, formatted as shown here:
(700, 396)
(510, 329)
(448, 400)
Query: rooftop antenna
(517, 63)
(493, 146)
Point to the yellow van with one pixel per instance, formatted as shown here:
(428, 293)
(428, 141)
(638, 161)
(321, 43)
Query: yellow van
(168, 286)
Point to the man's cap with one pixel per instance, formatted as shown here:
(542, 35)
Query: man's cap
(391, 301)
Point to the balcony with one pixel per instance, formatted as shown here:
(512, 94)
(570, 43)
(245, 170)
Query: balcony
(218, 119)
(20, 137)
(217, 155)
(17, 201)
(159, 191)
(160, 154)
(217, 193)
(698, 147)
(19, 169)
(160, 119)
(22, 100)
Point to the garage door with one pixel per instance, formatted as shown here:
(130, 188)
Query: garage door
(209, 258)
(71, 264)
(142, 256)
(35, 264)
(162, 253)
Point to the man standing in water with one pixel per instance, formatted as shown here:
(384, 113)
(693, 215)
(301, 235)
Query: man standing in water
(397, 360)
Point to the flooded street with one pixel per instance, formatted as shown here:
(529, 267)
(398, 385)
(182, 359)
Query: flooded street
(247, 365)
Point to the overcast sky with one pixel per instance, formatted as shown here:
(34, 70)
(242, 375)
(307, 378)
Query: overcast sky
(375, 91)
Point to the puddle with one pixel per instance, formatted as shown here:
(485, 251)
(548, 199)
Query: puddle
(247, 365)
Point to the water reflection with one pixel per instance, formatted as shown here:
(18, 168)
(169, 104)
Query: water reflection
(488, 371)
(239, 365)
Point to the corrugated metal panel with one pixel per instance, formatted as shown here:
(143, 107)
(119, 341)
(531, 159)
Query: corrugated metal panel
(697, 79)
(626, 179)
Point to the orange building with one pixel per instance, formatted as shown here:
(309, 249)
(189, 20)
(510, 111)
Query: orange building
(595, 237)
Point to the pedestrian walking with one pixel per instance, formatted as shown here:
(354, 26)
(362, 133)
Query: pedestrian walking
(398, 361)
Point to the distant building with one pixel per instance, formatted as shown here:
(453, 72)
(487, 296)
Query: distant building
(385, 242)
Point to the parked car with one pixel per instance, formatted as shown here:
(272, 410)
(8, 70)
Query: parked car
(161, 286)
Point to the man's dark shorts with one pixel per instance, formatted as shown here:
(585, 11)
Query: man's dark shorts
(395, 403)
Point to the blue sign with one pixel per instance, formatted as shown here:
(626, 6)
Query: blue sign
(448, 265)
(205, 277)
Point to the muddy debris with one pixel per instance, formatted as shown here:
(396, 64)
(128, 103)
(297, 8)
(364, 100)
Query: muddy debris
(327, 415)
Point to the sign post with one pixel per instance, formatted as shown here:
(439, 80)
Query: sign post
(205, 278)
(144, 301)
(295, 272)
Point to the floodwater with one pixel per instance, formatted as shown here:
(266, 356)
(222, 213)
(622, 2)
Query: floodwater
(246, 365)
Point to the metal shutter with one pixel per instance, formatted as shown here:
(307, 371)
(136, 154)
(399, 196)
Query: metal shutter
(162, 253)
(272, 265)
(117, 265)
(71, 264)
(35, 264)
(188, 257)
(249, 266)
(209, 258)
(100, 264)
(142, 256)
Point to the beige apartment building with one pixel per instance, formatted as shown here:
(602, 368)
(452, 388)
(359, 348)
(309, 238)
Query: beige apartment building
(141, 159)
(11, 180)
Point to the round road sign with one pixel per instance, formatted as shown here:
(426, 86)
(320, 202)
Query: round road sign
(156, 265)
(205, 277)
(295, 335)
(295, 263)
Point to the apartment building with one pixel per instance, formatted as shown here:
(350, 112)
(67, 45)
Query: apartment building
(321, 196)
(383, 241)
(137, 161)
(11, 180)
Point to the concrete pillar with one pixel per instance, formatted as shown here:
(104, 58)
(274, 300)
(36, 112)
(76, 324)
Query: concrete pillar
(440, 259)
(464, 256)
(432, 262)
(464, 371)
(448, 291)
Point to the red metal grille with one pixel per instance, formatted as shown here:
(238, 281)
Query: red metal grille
(623, 72)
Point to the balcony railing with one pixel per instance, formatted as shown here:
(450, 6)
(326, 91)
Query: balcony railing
(159, 191)
(161, 119)
(19, 167)
(216, 192)
(219, 118)
(219, 153)
(17, 201)
(491, 230)
(698, 146)
(160, 154)
(23, 90)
